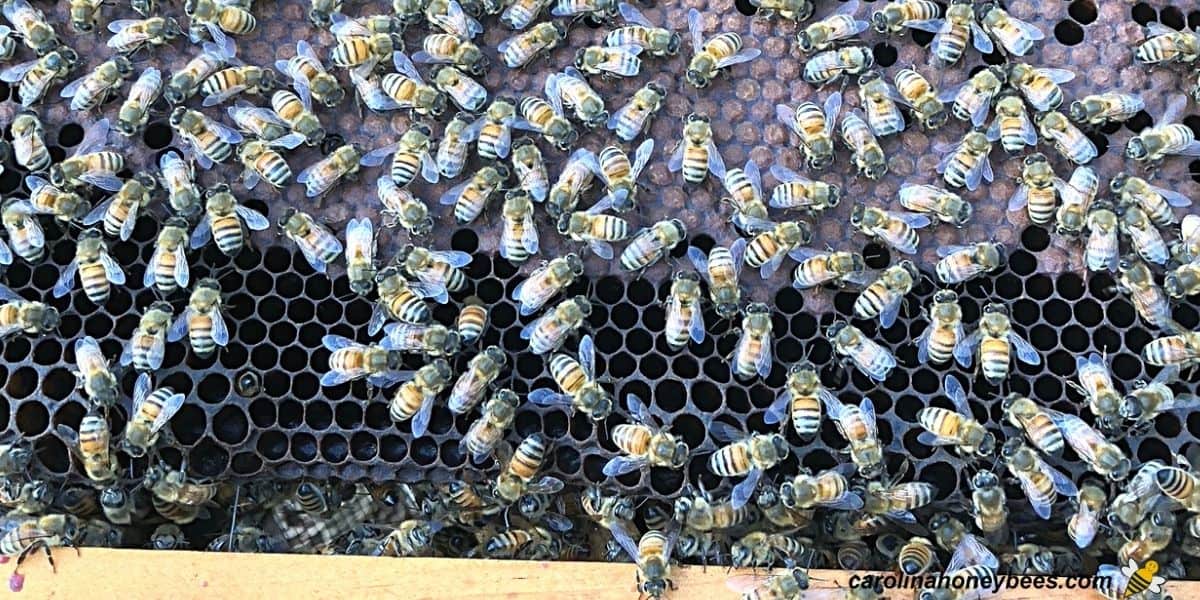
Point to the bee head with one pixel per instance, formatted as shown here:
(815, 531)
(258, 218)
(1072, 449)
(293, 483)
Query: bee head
(574, 263)
(50, 319)
(1118, 182)
(69, 56)
(422, 129)
(580, 56)
(835, 328)
(442, 368)
(673, 43)
(857, 213)
(910, 268)
(564, 223)
(1136, 149)
(697, 79)
(879, 21)
(177, 115)
(867, 77)
(995, 308)
(1009, 449)
(805, 42)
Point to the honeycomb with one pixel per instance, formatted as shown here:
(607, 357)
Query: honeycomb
(278, 308)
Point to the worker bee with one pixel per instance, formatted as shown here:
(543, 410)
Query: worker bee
(414, 398)
(201, 321)
(745, 454)
(595, 228)
(971, 562)
(179, 180)
(634, 118)
(296, 111)
(151, 412)
(400, 207)
(92, 446)
(471, 197)
(867, 154)
(548, 332)
(24, 232)
(1068, 140)
(174, 486)
(1101, 455)
(1183, 280)
(651, 244)
(438, 269)
(410, 155)
(802, 397)
(120, 211)
(1182, 350)
(400, 90)
(229, 82)
(760, 548)
(988, 501)
(1078, 195)
(1014, 35)
(226, 221)
(487, 432)
(322, 175)
(684, 318)
(216, 18)
(620, 176)
(878, 99)
(945, 329)
(445, 48)
(472, 319)
(523, 48)
(402, 300)
(131, 35)
(621, 61)
(547, 118)
(814, 126)
(848, 341)
(721, 268)
(1085, 523)
(697, 154)
(645, 443)
(899, 14)
(574, 92)
(883, 296)
(1012, 126)
(753, 353)
(994, 340)
(857, 425)
(655, 40)
(97, 379)
(546, 281)
(262, 162)
(30, 25)
(530, 169)
(831, 65)
(966, 164)
(316, 242)
(431, 340)
(1027, 416)
(18, 315)
(522, 13)
(921, 97)
(29, 141)
(98, 86)
(184, 83)
(309, 77)
(24, 535)
(1104, 108)
(819, 268)
(947, 206)
(36, 76)
(772, 242)
(360, 255)
(575, 177)
(1039, 85)
(265, 125)
(595, 10)
(1154, 143)
(1037, 190)
(320, 12)
(91, 163)
(962, 263)
(517, 477)
(481, 371)
(147, 347)
(1178, 483)
(467, 93)
(1187, 248)
(1166, 45)
(350, 361)
(452, 149)
(577, 380)
(1146, 401)
(897, 230)
(957, 427)
(135, 111)
(519, 237)
(362, 53)
(168, 268)
(823, 34)
(1143, 235)
(896, 501)
(1137, 280)
(971, 99)
(494, 129)
(952, 32)
(916, 556)
(449, 16)
(1156, 202)
(211, 142)
(97, 269)
(718, 52)
(798, 192)
(15, 457)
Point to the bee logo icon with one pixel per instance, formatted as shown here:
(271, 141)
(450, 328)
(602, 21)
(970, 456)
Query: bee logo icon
(1142, 579)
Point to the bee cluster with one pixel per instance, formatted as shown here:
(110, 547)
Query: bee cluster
(947, 379)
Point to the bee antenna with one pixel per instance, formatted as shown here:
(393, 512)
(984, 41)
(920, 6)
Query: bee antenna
(237, 492)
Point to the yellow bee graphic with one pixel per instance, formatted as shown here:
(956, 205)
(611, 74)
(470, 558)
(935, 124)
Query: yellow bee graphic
(1142, 578)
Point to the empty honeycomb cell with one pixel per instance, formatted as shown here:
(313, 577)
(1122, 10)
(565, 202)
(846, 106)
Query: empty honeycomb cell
(654, 318)
(290, 414)
(189, 424)
(638, 341)
(208, 459)
(69, 414)
(670, 396)
(318, 416)
(1056, 312)
(32, 419)
(717, 369)
(288, 285)
(1022, 263)
(246, 464)
(1039, 287)
(424, 451)
(1023, 311)
(1061, 363)
(293, 359)
(53, 455)
(624, 315)
(230, 426)
(1150, 449)
(47, 352)
(57, 384)
(1167, 425)
(282, 333)
(737, 400)
(555, 424)
(621, 365)
(264, 357)
(335, 448)
(251, 332)
(376, 416)
(1105, 339)
(527, 423)
(1137, 338)
(1172, 17)
(234, 356)
(705, 396)
(214, 388)
(314, 287)
(303, 447)
(685, 367)
(1068, 33)
(358, 312)
(70, 135)
(1074, 338)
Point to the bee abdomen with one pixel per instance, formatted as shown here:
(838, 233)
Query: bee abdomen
(95, 282)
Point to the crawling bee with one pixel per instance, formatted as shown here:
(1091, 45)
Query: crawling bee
(878, 100)
(993, 341)
(449, 16)
(753, 353)
(316, 242)
(574, 92)
(1037, 191)
(546, 281)
(1068, 140)
(655, 40)
(309, 76)
(1101, 455)
(962, 263)
(1012, 34)
(414, 398)
(1187, 248)
(439, 269)
(431, 340)
(35, 77)
(820, 268)
(186, 82)
(1039, 85)
(831, 65)
(798, 192)
(131, 35)
(319, 177)
(226, 221)
(551, 330)
(296, 111)
(773, 242)
(523, 48)
(857, 425)
(210, 142)
(530, 169)
(718, 52)
(966, 164)
(174, 486)
(487, 432)
(410, 154)
(18, 315)
(814, 126)
(24, 232)
(202, 321)
(595, 228)
(916, 92)
(1158, 203)
(896, 501)
(262, 162)
(823, 34)
(1183, 280)
(947, 206)
(467, 93)
(721, 268)
(135, 111)
(956, 428)
(697, 154)
(897, 230)
(97, 270)
(867, 153)
(882, 298)
(519, 236)
(241, 79)
(1166, 45)
(1102, 247)
(179, 180)
(619, 61)
(1166, 137)
(895, 16)
(848, 341)
(120, 212)
(1137, 280)
(401, 299)
(632, 119)
(520, 14)
(952, 33)
(168, 267)
(802, 397)
(1182, 350)
(472, 196)
(97, 379)
(1077, 195)
(152, 410)
(1104, 108)
(517, 478)
(92, 445)
(1012, 127)
(745, 454)
(481, 371)
(147, 347)
(1146, 401)
(1145, 238)
(29, 142)
(645, 443)
(577, 380)
(548, 119)
(651, 244)
(31, 26)
(971, 100)
(350, 361)
(91, 164)
(684, 319)
(620, 175)
(362, 53)
(98, 86)
(945, 329)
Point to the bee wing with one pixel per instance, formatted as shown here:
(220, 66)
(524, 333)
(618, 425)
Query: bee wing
(529, 235)
(66, 280)
(158, 349)
(88, 355)
(1085, 529)
(641, 156)
(587, 356)
(179, 327)
(1019, 198)
(949, 151)
(201, 234)
(343, 26)
(1173, 198)
(72, 88)
(420, 421)
(944, 251)
(97, 213)
(633, 15)
(1031, 30)
(743, 491)
(725, 433)
(786, 175)
(253, 219)
(778, 411)
(1026, 353)
(624, 63)
(833, 106)
(112, 270)
(69, 437)
(546, 485)
(980, 39)
(219, 97)
(755, 177)
(429, 170)
(695, 29)
(868, 409)
(220, 334)
(716, 164)
(700, 261)
(982, 169)
(957, 396)
(404, 66)
(1062, 483)
(697, 328)
(890, 310)
(746, 55)
(1028, 131)
(118, 25)
(452, 195)
(638, 409)
(847, 501)
(6, 293)
(1060, 76)
(930, 25)
(310, 255)
(94, 138)
(932, 439)
(454, 258)
(548, 397)
(675, 163)
(833, 406)
(128, 223)
(620, 465)
(528, 329)
(602, 249)
(169, 408)
(738, 252)
(16, 72)
(964, 351)
(768, 268)
(970, 552)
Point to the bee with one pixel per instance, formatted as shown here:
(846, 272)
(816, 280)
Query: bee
(718, 52)
(265, 125)
(574, 92)
(1183, 280)
(1187, 249)
(179, 180)
(896, 501)
(988, 502)
(402, 300)
(92, 446)
(1027, 416)
(826, 489)
(952, 33)
(97, 269)
(798, 192)
(745, 454)
(549, 331)
(47, 199)
(467, 93)
(645, 443)
(753, 352)
(410, 155)
(449, 16)
(633, 119)
(697, 154)
(774, 241)
(523, 48)
(1156, 202)
(120, 211)
(319, 177)
(921, 97)
(653, 557)
(148, 345)
(8, 43)
(15, 458)
(487, 432)
(431, 340)
(444, 48)
(1180, 349)
(963, 263)
(350, 361)
(1085, 523)
(792, 583)
(344, 27)
(452, 149)
(131, 35)
(174, 486)
(897, 230)
(1153, 144)
(18, 315)
(438, 269)
(320, 12)
(651, 244)
(1039, 85)
(947, 206)
(899, 14)
(309, 76)
(519, 15)
(819, 268)
(620, 176)
(24, 232)
(98, 86)
(867, 154)
(201, 321)
(971, 100)
(29, 141)
(184, 83)
(878, 100)
(595, 228)
(1078, 195)
(1068, 140)
(360, 255)
(471, 197)
(320, 246)
(546, 281)
(1104, 108)
(30, 25)
(414, 398)
(596, 10)
(1143, 235)
(91, 164)
(823, 34)
(1147, 297)
(517, 477)
(400, 207)
(1038, 189)
(971, 562)
(226, 221)
(494, 129)
(262, 162)
(873, 360)
(1012, 126)
(135, 111)
(97, 378)
(994, 340)
(1101, 455)
(210, 142)
(23, 536)
(362, 53)
(481, 371)
(117, 504)
(576, 177)
(916, 557)
(656, 41)
(530, 169)
(216, 18)
(1178, 483)
(721, 268)
(519, 237)
(814, 126)
(831, 65)
(229, 82)
(35, 77)
(548, 119)
(966, 164)
(1166, 45)
(857, 425)
(956, 427)
(1146, 401)
(296, 111)
(882, 298)
(151, 412)
(577, 380)
(1012, 34)
(763, 549)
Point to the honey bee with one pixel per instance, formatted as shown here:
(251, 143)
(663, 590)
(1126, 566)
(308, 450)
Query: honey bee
(952, 33)
(546, 281)
(1146, 401)
(1187, 248)
(350, 361)
(362, 53)
(120, 211)
(814, 126)
(229, 82)
(945, 329)
(718, 52)
(216, 18)
(956, 428)
(753, 353)
(962, 263)
(151, 412)
(547, 118)
(91, 164)
(320, 12)
(400, 207)
(1027, 416)
(802, 397)
(1068, 140)
(296, 111)
(971, 99)
(179, 180)
(1078, 195)
(656, 41)
(1039, 85)
(523, 48)
(309, 76)
(1037, 190)
(530, 169)
(1166, 45)
(620, 176)
(745, 454)
(360, 255)
(494, 129)
(184, 83)
(316, 242)
(135, 111)
(697, 154)
(971, 562)
(849, 342)
(210, 142)
(92, 446)
(899, 14)
(792, 583)
(915, 92)
(519, 237)
(1183, 280)
(226, 221)
(449, 16)
(262, 162)
(1178, 483)
(1182, 350)
(1012, 126)
(1012, 34)
(1085, 523)
(471, 197)
(820, 268)
(917, 556)
(896, 501)
(202, 321)
(487, 432)
(1101, 455)
(867, 154)
(883, 296)
(721, 268)
(595, 228)
(472, 320)
(131, 35)
(98, 86)
(645, 443)
(98, 271)
(401, 299)
(1108, 107)
(35, 77)
(651, 244)
(174, 486)
(519, 15)
(517, 477)
(265, 125)
(577, 380)
(439, 269)
(1156, 202)
(573, 91)
(410, 155)
(760, 548)
(24, 232)
(632, 119)
(897, 230)
(620, 61)
(467, 93)
(97, 379)
(798, 192)
(994, 340)
(831, 65)
(774, 241)
(18, 315)
(452, 150)
(147, 347)
(481, 371)
(966, 164)
(988, 502)
(551, 330)
(414, 398)
(947, 206)
(1143, 235)
(24, 535)
(403, 90)
(168, 267)
(576, 177)
(431, 340)
(31, 26)
(1153, 144)
(1137, 280)
(29, 142)
(823, 34)
(319, 177)
(445, 48)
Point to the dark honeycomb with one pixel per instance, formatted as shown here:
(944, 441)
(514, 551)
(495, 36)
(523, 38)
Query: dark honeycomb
(278, 308)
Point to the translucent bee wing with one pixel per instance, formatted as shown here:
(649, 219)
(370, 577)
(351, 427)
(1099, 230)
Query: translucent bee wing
(16, 72)
(786, 175)
(1173, 198)
(452, 195)
(172, 405)
(746, 55)
(744, 490)
(1062, 483)
(1059, 76)
(833, 106)
(890, 311)
(976, 174)
(429, 170)
(1031, 30)
(697, 329)
(929, 25)
(220, 334)
(373, 158)
(1085, 529)
(420, 421)
(602, 249)
(620, 465)
(700, 261)
(633, 15)
(529, 235)
(932, 439)
(716, 164)
(6, 293)
(913, 220)
(847, 501)
(253, 219)
(949, 151)
(964, 351)
(768, 268)
(310, 255)
(112, 270)
(94, 138)
(125, 359)
(695, 29)
(405, 67)
(738, 252)
(454, 258)
(1028, 132)
(548, 397)
(641, 156)
(957, 396)
(182, 274)
(980, 39)
(970, 552)
(675, 163)
(587, 356)
(527, 330)
(72, 88)
(180, 327)
(343, 26)
(755, 177)
(127, 224)
(778, 411)
(1026, 353)
(724, 433)
(104, 181)
(222, 96)
(1019, 199)
(120, 25)
(97, 213)
(1155, 29)
(201, 234)
(868, 410)
(625, 66)
(334, 343)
